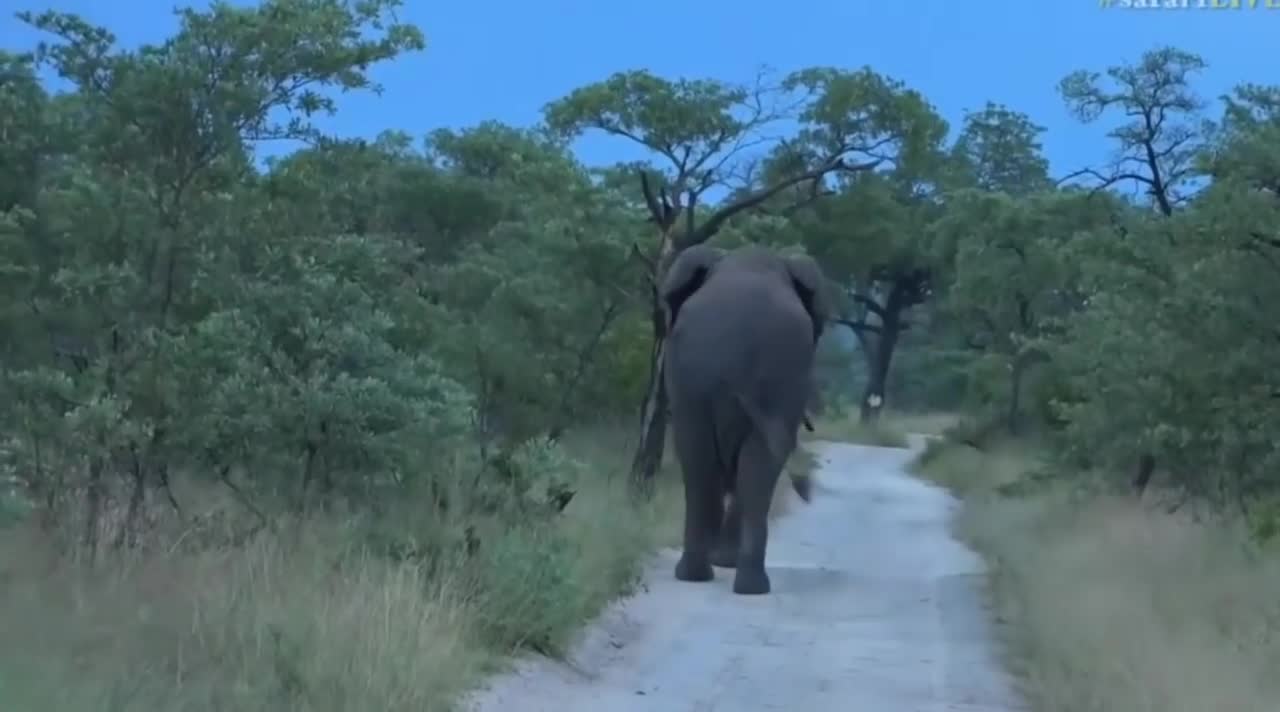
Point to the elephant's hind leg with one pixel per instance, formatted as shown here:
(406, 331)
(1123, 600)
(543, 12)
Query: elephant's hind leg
(758, 472)
(703, 497)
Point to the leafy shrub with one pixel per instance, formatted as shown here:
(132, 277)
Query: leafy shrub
(526, 595)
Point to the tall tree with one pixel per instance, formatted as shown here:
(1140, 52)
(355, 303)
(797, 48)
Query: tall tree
(999, 150)
(999, 238)
(138, 214)
(871, 240)
(703, 133)
(1155, 148)
(871, 236)
(1016, 275)
(1171, 359)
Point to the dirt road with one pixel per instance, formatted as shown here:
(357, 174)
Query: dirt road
(874, 607)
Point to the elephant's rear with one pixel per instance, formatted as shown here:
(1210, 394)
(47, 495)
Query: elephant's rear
(739, 354)
(745, 335)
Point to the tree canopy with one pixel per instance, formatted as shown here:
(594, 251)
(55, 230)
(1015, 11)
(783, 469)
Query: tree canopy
(363, 315)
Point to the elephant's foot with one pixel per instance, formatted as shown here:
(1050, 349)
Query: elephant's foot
(750, 582)
(694, 567)
(725, 557)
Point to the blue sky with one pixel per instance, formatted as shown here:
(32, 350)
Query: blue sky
(505, 60)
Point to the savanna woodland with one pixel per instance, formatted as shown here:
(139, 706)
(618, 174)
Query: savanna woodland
(343, 428)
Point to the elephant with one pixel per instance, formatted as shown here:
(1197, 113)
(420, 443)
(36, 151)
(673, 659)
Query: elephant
(742, 330)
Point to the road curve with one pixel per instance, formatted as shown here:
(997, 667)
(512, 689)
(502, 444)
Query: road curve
(874, 607)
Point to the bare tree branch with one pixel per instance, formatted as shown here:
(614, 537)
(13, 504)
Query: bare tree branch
(857, 326)
(870, 304)
(708, 229)
(656, 210)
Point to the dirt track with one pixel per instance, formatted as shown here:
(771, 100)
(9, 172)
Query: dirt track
(874, 607)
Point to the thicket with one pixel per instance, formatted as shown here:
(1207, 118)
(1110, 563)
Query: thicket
(1123, 314)
(1137, 332)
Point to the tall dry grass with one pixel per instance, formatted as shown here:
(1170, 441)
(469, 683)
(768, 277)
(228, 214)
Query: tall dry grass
(301, 625)
(328, 613)
(313, 617)
(1118, 606)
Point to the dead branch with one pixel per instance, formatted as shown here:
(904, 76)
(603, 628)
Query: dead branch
(870, 304)
(857, 326)
(708, 229)
(659, 211)
(1104, 181)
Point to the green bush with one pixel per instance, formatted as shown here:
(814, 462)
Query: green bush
(526, 593)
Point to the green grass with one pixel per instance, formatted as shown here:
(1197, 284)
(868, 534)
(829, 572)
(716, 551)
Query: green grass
(1114, 605)
(310, 619)
(966, 470)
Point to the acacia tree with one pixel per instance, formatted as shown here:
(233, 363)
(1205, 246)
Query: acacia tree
(881, 237)
(1171, 358)
(870, 240)
(704, 134)
(1155, 148)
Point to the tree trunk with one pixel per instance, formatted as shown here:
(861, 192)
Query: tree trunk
(653, 409)
(653, 412)
(93, 508)
(127, 537)
(1142, 476)
(872, 394)
(1015, 396)
(879, 359)
(653, 430)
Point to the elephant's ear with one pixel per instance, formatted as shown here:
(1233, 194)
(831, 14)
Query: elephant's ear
(811, 286)
(687, 273)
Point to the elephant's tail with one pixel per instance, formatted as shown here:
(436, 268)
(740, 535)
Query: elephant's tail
(776, 438)
(802, 484)
(779, 442)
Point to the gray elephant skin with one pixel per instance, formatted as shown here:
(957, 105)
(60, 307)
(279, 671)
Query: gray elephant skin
(738, 364)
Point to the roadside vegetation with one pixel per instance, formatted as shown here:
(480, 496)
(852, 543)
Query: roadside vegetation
(323, 611)
(1119, 456)
(849, 428)
(348, 427)
(890, 429)
(1109, 603)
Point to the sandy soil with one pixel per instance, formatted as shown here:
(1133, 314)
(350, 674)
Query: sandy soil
(874, 607)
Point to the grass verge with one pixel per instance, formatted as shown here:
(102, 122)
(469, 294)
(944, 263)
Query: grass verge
(312, 617)
(1114, 605)
(332, 612)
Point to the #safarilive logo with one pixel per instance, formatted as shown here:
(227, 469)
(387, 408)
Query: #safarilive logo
(1191, 4)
